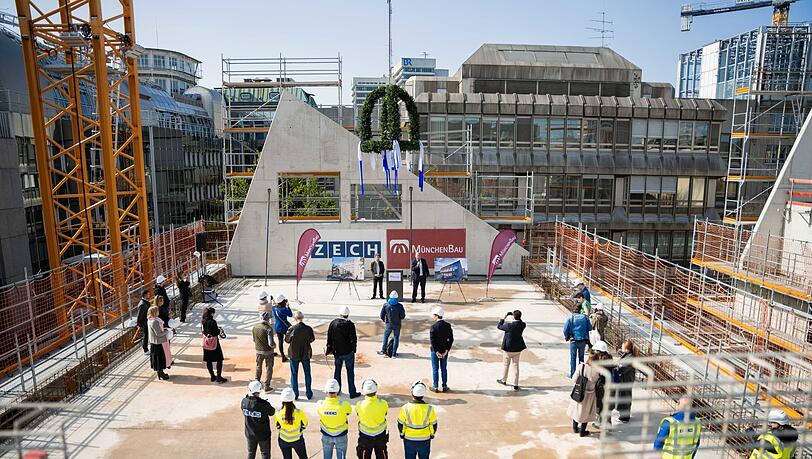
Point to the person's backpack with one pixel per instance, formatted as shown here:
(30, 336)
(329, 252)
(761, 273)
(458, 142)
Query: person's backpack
(390, 347)
(579, 389)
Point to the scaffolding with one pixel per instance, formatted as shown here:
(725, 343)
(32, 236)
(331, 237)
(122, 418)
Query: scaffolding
(769, 69)
(251, 90)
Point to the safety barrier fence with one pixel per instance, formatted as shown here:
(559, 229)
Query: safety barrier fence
(660, 306)
(769, 260)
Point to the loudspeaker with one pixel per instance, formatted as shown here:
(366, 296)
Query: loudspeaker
(200, 241)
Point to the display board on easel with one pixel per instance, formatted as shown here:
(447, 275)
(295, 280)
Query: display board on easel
(347, 269)
(451, 271)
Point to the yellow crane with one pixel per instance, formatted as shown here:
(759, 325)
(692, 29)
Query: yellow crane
(81, 70)
(780, 10)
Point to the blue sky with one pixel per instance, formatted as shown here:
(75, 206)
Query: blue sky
(646, 31)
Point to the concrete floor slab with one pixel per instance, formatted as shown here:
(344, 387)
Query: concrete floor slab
(129, 413)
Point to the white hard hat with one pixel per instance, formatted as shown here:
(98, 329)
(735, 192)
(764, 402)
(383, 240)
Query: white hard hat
(419, 389)
(601, 346)
(254, 387)
(160, 279)
(438, 311)
(368, 387)
(579, 282)
(393, 294)
(598, 305)
(332, 386)
(778, 416)
(281, 298)
(287, 395)
(173, 323)
(263, 295)
(344, 311)
(131, 322)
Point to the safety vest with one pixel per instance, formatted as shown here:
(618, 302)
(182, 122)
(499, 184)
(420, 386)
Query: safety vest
(372, 416)
(782, 452)
(333, 413)
(290, 432)
(683, 438)
(419, 421)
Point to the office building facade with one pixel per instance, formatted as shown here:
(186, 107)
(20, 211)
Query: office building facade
(361, 88)
(172, 71)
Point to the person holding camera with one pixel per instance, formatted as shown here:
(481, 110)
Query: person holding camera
(512, 346)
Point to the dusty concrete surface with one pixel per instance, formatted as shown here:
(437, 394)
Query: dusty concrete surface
(130, 413)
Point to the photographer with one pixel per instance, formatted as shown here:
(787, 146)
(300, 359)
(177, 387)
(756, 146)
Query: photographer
(512, 345)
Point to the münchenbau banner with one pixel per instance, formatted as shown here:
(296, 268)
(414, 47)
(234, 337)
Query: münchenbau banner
(430, 243)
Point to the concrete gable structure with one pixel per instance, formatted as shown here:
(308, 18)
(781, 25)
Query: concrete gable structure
(301, 139)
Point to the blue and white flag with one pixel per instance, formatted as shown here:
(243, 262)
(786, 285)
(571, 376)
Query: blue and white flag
(396, 161)
(384, 154)
(361, 167)
(373, 159)
(420, 167)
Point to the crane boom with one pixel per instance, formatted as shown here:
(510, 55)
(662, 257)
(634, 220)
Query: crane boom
(780, 10)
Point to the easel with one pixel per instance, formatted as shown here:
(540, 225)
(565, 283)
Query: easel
(350, 287)
(449, 290)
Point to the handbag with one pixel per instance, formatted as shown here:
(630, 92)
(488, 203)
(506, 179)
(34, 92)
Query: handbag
(579, 389)
(209, 343)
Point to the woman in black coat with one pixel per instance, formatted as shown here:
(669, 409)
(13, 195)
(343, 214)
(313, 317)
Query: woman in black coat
(625, 374)
(210, 328)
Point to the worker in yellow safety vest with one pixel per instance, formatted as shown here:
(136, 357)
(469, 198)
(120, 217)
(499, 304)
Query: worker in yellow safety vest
(678, 436)
(372, 434)
(291, 421)
(333, 413)
(779, 441)
(417, 423)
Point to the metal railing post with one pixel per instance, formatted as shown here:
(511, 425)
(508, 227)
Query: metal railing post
(73, 335)
(30, 307)
(19, 361)
(31, 364)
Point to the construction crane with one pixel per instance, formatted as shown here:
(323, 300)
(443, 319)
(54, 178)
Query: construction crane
(81, 70)
(780, 10)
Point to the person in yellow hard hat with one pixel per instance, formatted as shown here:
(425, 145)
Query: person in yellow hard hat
(291, 422)
(679, 434)
(779, 442)
(372, 434)
(417, 423)
(333, 413)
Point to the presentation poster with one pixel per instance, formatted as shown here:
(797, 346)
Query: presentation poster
(450, 269)
(347, 268)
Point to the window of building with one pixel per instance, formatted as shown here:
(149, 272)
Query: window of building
(668, 191)
(633, 239)
(622, 134)
(556, 133)
(376, 204)
(663, 244)
(540, 193)
(670, 135)
(701, 135)
(305, 197)
(574, 133)
(590, 134)
(143, 60)
(159, 62)
(686, 130)
(678, 245)
(713, 141)
(637, 193)
(638, 134)
(588, 190)
(173, 63)
(654, 137)
(456, 135)
(697, 195)
(472, 124)
(437, 131)
(541, 136)
(571, 199)
(490, 126)
(523, 131)
(607, 134)
(604, 191)
(506, 133)
(556, 194)
(647, 242)
(652, 194)
(683, 194)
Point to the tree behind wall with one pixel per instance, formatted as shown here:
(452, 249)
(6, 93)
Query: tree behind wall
(305, 197)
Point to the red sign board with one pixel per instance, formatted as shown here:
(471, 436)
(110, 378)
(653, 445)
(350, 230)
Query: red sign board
(431, 243)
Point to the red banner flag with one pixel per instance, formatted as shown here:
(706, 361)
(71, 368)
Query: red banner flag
(501, 244)
(307, 241)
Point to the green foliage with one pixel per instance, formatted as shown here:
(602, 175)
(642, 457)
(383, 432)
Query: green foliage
(390, 120)
(302, 197)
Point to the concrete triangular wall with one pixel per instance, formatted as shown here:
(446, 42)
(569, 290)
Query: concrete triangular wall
(303, 140)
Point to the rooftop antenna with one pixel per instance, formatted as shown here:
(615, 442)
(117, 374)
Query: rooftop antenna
(603, 30)
(425, 54)
(389, 3)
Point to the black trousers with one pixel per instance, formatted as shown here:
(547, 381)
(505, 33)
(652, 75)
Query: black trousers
(421, 281)
(263, 445)
(377, 285)
(145, 340)
(280, 337)
(184, 304)
(366, 446)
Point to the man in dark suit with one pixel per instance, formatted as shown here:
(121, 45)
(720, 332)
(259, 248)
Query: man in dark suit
(378, 269)
(143, 307)
(420, 272)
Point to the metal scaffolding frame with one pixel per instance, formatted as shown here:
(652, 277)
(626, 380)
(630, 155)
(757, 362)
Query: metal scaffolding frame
(770, 103)
(251, 88)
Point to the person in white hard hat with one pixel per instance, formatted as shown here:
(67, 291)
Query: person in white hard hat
(291, 422)
(342, 343)
(258, 413)
(441, 337)
(600, 353)
(281, 312)
(185, 290)
(780, 441)
(392, 314)
(333, 413)
(299, 338)
(160, 289)
(372, 434)
(598, 319)
(417, 424)
(262, 334)
(265, 302)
